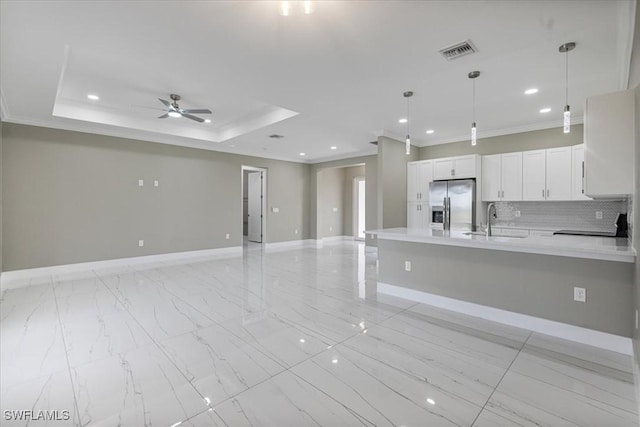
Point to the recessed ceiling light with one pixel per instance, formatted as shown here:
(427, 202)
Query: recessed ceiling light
(531, 91)
(402, 121)
(303, 154)
(207, 120)
(545, 110)
(93, 97)
(174, 114)
(430, 131)
(334, 147)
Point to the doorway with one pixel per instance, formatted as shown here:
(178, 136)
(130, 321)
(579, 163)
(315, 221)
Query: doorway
(359, 207)
(254, 185)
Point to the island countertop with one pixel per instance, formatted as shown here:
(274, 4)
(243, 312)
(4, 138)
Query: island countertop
(600, 248)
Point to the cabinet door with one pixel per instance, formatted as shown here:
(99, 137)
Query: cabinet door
(609, 144)
(491, 178)
(577, 173)
(534, 175)
(412, 181)
(417, 215)
(464, 167)
(425, 176)
(443, 169)
(559, 173)
(511, 177)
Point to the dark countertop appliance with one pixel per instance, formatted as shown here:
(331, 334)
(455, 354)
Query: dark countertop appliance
(622, 229)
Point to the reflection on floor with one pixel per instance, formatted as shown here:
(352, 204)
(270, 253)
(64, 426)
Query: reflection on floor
(286, 338)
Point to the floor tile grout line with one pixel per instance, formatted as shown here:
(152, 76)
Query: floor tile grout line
(66, 352)
(502, 378)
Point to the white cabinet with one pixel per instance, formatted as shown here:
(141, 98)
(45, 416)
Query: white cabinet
(546, 174)
(455, 167)
(419, 175)
(577, 173)
(534, 175)
(609, 144)
(418, 215)
(558, 183)
(502, 177)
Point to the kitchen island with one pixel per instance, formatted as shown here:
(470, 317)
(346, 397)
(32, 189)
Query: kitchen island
(531, 277)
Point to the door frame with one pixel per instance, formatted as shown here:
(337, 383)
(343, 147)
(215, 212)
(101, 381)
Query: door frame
(264, 197)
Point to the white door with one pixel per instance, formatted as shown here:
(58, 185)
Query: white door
(491, 178)
(559, 173)
(360, 208)
(511, 167)
(534, 175)
(415, 215)
(254, 226)
(425, 176)
(443, 169)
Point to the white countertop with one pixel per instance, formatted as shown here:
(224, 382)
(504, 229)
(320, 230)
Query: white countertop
(601, 248)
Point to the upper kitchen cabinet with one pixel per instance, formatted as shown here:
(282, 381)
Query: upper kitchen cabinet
(577, 173)
(502, 177)
(609, 144)
(546, 174)
(456, 167)
(419, 175)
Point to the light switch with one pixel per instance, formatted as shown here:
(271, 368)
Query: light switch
(275, 210)
(140, 243)
(335, 209)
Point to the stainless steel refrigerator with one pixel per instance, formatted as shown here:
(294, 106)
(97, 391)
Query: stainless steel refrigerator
(452, 204)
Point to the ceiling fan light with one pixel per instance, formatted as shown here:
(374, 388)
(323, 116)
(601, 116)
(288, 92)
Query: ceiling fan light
(174, 114)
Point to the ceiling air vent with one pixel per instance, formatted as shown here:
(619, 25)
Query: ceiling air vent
(457, 50)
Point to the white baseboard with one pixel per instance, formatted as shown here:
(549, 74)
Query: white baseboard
(291, 244)
(20, 278)
(548, 327)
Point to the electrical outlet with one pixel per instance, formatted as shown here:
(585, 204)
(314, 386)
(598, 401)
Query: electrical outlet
(156, 183)
(141, 183)
(296, 231)
(227, 236)
(598, 214)
(330, 228)
(517, 214)
(579, 294)
(335, 209)
(407, 266)
(275, 210)
(140, 243)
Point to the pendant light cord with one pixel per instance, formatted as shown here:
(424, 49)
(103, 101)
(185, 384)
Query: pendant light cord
(566, 96)
(474, 101)
(408, 121)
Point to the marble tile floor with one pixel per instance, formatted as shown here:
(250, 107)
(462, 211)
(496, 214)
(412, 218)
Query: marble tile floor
(295, 337)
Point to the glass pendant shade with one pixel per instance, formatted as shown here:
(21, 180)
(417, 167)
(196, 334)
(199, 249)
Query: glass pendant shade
(473, 134)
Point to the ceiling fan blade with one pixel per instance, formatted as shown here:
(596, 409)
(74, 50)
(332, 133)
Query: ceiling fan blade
(165, 102)
(164, 116)
(189, 116)
(196, 111)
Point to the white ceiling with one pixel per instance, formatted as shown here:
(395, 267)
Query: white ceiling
(331, 78)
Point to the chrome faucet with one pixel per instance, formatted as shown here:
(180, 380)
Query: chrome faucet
(489, 208)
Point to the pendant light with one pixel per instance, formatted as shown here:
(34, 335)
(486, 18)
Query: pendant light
(473, 75)
(407, 140)
(566, 48)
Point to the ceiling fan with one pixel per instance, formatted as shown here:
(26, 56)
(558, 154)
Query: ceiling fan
(174, 110)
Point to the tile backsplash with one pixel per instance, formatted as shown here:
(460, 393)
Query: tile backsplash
(574, 215)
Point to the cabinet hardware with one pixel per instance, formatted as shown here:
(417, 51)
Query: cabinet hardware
(547, 193)
(543, 193)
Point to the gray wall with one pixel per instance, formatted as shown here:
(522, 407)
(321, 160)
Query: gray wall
(347, 197)
(73, 197)
(392, 182)
(534, 140)
(330, 197)
(1, 173)
(371, 170)
(536, 285)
